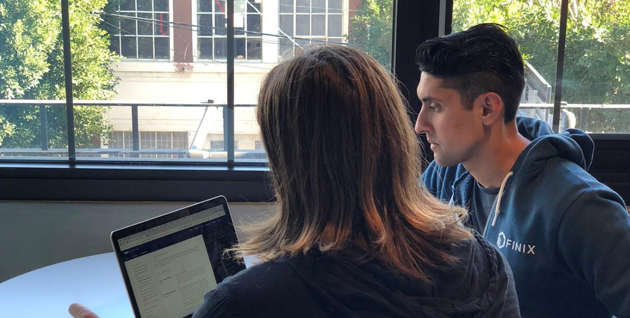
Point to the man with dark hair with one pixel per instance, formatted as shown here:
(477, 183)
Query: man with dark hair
(565, 235)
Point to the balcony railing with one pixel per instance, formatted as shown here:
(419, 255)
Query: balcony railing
(135, 151)
(573, 115)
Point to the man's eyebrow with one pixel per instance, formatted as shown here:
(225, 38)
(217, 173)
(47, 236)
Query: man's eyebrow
(429, 99)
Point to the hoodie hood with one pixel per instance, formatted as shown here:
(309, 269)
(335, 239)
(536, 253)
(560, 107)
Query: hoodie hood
(573, 145)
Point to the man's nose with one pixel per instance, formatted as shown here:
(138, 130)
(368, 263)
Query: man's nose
(422, 126)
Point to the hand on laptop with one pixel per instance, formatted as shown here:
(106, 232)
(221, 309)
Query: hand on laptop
(80, 311)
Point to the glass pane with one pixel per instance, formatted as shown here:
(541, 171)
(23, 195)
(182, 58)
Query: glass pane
(161, 25)
(204, 5)
(93, 76)
(375, 39)
(147, 140)
(318, 6)
(162, 48)
(303, 6)
(285, 51)
(160, 5)
(253, 23)
(220, 48)
(302, 25)
(334, 25)
(539, 45)
(128, 25)
(182, 129)
(205, 24)
(145, 48)
(335, 6)
(318, 26)
(129, 47)
(596, 79)
(286, 6)
(254, 49)
(220, 23)
(286, 24)
(303, 43)
(251, 6)
(115, 44)
(219, 6)
(205, 48)
(145, 26)
(239, 49)
(128, 5)
(32, 130)
(144, 5)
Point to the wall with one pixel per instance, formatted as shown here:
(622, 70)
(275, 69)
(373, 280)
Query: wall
(34, 234)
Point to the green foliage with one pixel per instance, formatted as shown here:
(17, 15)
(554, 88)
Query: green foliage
(371, 29)
(31, 67)
(597, 56)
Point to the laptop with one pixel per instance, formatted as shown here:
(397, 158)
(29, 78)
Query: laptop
(170, 262)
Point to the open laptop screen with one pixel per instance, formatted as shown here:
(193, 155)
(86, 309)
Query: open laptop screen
(170, 262)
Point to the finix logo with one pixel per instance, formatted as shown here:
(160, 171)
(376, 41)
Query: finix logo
(504, 242)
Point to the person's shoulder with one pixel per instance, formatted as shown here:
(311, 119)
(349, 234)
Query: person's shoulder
(261, 278)
(576, 186)
(480, 270)
(250, 291)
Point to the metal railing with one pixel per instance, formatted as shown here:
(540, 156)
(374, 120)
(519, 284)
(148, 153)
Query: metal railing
(135, 151)
(572, 115)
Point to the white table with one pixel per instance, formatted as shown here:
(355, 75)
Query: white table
(94, 281)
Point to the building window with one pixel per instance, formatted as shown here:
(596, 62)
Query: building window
(212, 30)
(178, 141)
(310, 22)
(258, 145)
(144, 31)
(216, 144)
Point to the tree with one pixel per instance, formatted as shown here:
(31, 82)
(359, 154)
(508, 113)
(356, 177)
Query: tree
(31, 67)
(370, 29)
(597, 56)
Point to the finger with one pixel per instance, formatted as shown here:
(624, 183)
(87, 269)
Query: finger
(80, 311)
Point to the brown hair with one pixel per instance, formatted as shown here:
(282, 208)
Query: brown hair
(344, 164)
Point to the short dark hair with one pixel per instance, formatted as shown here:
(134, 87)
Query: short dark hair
(479, 60)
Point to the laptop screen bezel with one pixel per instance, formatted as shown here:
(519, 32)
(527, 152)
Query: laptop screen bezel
(160, 220)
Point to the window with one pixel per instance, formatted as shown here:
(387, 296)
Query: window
(258, 145)
(595, 94)
(212, 30)
(310, 22)
(162, 144)
(140, 29)
(217, 144)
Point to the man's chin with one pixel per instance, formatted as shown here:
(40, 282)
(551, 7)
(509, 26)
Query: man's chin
(444, 162)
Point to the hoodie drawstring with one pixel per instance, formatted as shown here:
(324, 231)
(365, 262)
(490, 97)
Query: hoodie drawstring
(499, 196)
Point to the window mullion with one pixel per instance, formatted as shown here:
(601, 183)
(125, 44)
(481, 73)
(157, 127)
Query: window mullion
(67, 65)
(228, 120)
(560, 65)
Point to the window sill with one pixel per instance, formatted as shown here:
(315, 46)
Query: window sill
(133, 182)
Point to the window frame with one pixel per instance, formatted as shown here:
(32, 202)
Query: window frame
(153, 36)
(68, 179)
(246, 35)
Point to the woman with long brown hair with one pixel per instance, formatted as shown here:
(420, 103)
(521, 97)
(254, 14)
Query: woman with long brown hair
(355, 235)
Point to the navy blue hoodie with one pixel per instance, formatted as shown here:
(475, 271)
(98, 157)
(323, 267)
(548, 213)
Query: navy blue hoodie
(565, 235)
(319, 285)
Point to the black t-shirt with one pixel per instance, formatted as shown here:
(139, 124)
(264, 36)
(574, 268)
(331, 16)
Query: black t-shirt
(483, 201)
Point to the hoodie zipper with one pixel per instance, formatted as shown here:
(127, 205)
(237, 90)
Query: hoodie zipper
(495, 214)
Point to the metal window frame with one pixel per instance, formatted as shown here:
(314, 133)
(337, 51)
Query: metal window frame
(414, 22)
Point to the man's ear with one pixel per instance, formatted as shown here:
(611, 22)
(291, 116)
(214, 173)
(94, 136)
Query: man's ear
(491, 108)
